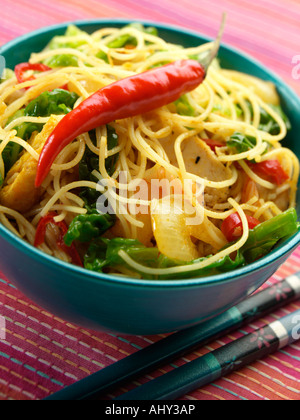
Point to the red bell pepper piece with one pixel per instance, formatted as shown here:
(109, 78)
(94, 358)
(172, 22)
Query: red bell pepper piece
(65, 87)
(213, 144)
(232, 227)
(22, 68)
(270, 170)
(41, 232)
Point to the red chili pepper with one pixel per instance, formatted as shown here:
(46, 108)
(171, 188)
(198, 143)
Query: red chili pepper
(125, 98)
(213, 144)
(270, 170)
(22, 68)
(232, 227)
(63, 228)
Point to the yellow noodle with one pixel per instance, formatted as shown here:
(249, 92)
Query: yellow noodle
(63, 190)
(21, 120)
(221, 108)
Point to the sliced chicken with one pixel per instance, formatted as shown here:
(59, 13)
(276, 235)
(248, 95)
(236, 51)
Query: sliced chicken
(200, 160)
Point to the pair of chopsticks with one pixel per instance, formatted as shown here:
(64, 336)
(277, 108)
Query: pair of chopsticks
(204, 369)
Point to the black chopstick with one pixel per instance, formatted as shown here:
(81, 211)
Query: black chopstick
(220, 362)
(176, 345)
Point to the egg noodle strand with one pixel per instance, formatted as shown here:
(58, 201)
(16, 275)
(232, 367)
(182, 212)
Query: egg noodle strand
(221, 108)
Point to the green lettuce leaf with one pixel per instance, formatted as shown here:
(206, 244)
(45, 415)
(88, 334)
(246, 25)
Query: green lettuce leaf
(86, 227)
(183, 106)
(90, 162)
(66, 41)
(127, 39)
(104, 253)
(58, 102)
(241, 143)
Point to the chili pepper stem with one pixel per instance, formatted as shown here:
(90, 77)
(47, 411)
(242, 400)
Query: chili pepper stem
(212, 54)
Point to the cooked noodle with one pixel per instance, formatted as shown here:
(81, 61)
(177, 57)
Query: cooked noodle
(152, 146)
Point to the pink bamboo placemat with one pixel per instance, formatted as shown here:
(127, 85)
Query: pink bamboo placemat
(42, 353)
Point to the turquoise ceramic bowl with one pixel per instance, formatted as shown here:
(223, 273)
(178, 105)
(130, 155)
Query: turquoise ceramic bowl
(129, 306)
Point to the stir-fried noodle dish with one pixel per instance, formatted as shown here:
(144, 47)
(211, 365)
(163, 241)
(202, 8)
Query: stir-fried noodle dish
(116, 157)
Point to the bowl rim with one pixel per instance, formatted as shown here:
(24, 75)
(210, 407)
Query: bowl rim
(92, 276)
